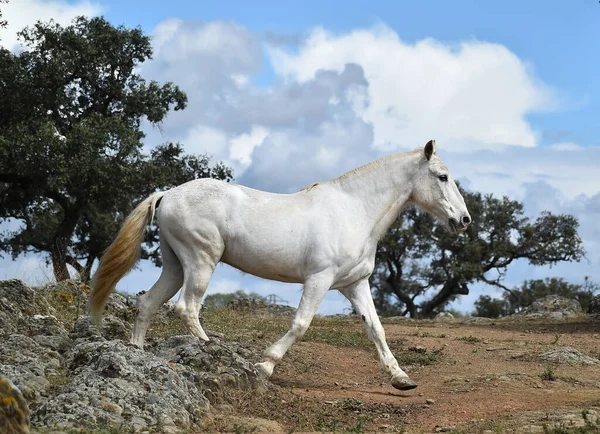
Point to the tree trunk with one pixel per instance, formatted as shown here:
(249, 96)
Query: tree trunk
(409, 304)
(450, 288)
(59, 260)
(86, 273)
(60, 247)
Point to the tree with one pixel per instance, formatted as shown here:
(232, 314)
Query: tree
(518, 299)
(420, 267)
(72, 163)
(221, 300)
(3, 23)
(489, 307)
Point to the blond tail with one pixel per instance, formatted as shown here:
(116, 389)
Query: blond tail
(122, 255)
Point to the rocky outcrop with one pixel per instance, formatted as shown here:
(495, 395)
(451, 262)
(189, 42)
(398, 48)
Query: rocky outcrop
(569, 356)
(594, 307)
(444, 317)
(71, 375)
(553, 307)
(110, 383)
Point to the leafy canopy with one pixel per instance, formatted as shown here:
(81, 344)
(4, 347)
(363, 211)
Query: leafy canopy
(421, 267)
(72, 158)
(519, 298)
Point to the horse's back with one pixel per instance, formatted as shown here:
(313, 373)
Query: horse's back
(265, 234)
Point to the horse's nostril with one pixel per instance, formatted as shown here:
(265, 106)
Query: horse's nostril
(466, 220)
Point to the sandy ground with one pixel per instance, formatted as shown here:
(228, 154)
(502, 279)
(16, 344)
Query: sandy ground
(490, 379)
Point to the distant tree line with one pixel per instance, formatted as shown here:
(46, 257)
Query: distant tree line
(517, 300)
(220, 300)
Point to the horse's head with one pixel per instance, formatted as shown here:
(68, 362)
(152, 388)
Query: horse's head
(435, 191)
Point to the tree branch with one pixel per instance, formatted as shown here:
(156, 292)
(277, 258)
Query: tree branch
(75, 264)
(499, 285)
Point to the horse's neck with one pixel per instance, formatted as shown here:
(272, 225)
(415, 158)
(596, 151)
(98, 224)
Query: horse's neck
(383, 188)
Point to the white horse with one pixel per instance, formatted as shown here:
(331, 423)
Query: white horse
(324, 236)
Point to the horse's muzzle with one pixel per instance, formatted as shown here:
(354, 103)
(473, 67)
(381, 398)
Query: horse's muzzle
(456, 226)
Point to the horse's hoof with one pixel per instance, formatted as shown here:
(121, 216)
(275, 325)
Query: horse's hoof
(265, 369)
(403, 383)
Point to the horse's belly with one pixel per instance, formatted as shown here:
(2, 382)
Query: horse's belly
(272, 265)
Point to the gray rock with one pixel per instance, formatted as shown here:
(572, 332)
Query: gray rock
(29, 365)
(568, 355)
(444, 317)
(81, 377)
(594, 307)
(17, 302)
(112, 328)
(114, 384)
(553, 307)
(217, 364)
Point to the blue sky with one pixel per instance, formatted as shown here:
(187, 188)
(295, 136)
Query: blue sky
(509, 90)
(559, 39)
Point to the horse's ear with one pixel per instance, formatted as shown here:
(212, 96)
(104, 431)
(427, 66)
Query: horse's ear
(429, 149)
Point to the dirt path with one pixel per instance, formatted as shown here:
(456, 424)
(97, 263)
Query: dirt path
(480, 377)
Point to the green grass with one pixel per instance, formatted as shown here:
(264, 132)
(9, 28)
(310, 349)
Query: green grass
(338, 337)
(548, 375)
(416, 356)
(471, 339)
(243, 326)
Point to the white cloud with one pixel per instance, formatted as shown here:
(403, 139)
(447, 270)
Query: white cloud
(202, 139)
(243, 145)
(23, 13)
(509, 171)
(223, 285)
(566, 146)
(31, 269)
(474, 95)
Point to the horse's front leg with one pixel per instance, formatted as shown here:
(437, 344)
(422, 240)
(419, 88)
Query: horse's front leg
(359, 294)
(314, 291)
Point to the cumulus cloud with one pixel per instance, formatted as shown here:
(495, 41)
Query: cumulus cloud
(471, 95)
(508, 172)
(23, 13)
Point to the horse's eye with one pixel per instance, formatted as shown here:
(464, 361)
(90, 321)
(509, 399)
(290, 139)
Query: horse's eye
(443, 178)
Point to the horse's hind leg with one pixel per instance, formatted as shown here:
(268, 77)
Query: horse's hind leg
(167, 285)
(190, 301)
(199, 260)
(315, 289)
(360, 296)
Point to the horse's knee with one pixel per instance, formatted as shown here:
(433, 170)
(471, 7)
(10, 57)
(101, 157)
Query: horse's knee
(299, 327)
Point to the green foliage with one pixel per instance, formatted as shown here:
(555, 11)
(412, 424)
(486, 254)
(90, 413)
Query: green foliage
(338, 335)
(417, 356)
(489, 307)
(548, 375)
(3, 23)
(220, 300)
(531, 290)
(72, 163)
(471, 339)
(421, 267)
(515, 300)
